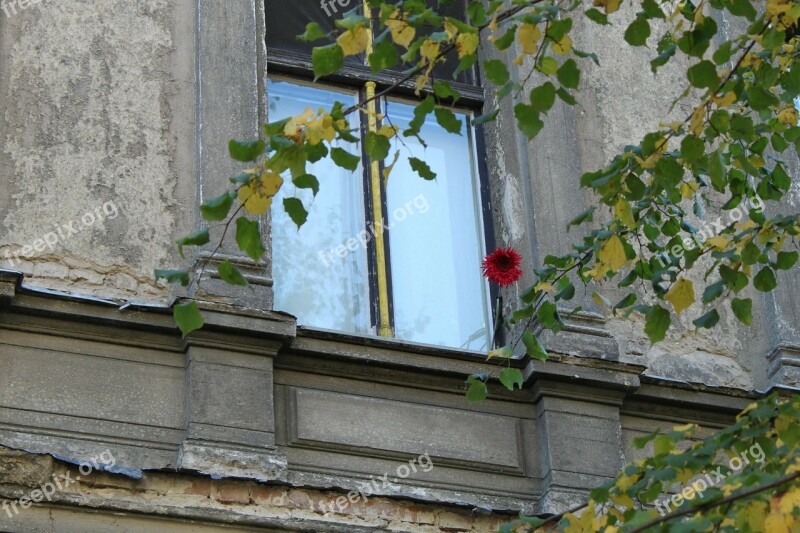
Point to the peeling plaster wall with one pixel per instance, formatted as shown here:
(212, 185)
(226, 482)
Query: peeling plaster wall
(97, 107)
(536, 192)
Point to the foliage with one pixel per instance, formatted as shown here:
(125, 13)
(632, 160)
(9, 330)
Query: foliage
(653, 196)
(744, 478)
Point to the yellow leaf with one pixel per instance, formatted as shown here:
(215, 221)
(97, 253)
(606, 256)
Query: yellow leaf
(683, 428)
(790, 501)
(256, 196)
(429, 50)
(389, 168)
(493, 23)
(756, 514)
(529, 35)
(775, 523)
(609, 5)
(544, 286)
(788, 116)
(610, 257)
(388, 131)
(688, 189)
(451, 30)
(719, 243)
(681, 295)
(746, 225)
(354, 42)
(777, 7)
(467, 44)
(622, 211)
(698, 120)
(728, 488)
(625, 482)
(563, 46)
(684, 474)
(623, 500)
(725, 101)
(402, 32)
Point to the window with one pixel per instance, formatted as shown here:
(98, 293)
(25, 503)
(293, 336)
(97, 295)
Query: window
(398, 257)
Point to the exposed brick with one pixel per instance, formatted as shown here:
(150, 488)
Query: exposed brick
(299, 499)
(453, 522)
(200, 487)
(50, 270)
(381, 509)
(26, 469)
(231, 492)
(86, 275)
(124, 281)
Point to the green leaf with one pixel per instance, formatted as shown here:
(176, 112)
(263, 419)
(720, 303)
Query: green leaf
(496, 71)
(528, 120)
(294, 208)
(421, 112)
(384, 56)
(246, 151)
(692, 148)
(218, 208)
(547, 65)
(510, 377)
(443, 90)
(662, 58)
(716, 170)
(313, 33)
(345, 159)
(448, 120)
(421, 167)
(549, 317)
(786, 260)
(759, 98)
(734, 279)
(638, 32)
(477, 391)
(174, 276)
(248, 238)
(486, 117)
(703, 75)
(326, 60)
(502, 353)
(507, 39)
(543, 97)
(597, 16)
(199, 238)
(657, 322)
(585, 216)
(743, 309)
(377, 146)
(231, 275)
(569, 74)
(712, 292)
(188, 317)
(708, 320)
(533, 347)
(765, 280)
(307, 181)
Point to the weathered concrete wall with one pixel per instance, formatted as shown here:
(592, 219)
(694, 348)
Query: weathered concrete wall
(96, 117)
(536, 193)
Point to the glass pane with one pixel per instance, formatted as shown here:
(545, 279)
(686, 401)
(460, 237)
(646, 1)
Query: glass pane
(317, 277)
(287, 20)
(436, 240)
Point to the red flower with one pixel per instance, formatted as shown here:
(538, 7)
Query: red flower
(502, 266)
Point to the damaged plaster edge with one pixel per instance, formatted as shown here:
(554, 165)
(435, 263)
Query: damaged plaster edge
(132, 473)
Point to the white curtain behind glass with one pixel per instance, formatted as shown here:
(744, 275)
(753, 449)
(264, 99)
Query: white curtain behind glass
(439, 292)
(312, 282)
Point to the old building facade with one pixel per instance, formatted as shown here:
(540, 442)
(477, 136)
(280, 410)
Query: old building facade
(114, 121)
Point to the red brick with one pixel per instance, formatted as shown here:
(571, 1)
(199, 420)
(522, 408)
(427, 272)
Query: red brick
(232, 492)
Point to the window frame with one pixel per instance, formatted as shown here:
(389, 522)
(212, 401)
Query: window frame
(297, 67)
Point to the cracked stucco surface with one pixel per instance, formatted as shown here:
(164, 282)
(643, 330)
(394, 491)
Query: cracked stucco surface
(92, 88)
